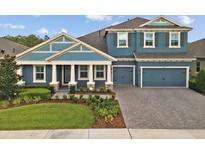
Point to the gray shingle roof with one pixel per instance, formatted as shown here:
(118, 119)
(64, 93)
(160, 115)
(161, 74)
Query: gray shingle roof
(197, 48)
(10, 47)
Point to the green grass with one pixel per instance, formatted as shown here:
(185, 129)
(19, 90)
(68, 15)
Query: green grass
(42, 92)
(46, 116)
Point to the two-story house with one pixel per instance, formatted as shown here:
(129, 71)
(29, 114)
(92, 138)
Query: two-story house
(138, 52)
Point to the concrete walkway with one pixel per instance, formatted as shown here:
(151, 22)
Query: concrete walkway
(105, 134)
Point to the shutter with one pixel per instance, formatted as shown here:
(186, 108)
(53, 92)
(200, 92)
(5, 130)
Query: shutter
(167, 39)
(142, 39)
(115, 39)
(129, 39)
(182, 39)
(156, 39)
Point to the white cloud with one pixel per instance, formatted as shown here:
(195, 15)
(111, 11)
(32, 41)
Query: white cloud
(115, 23)
(64, 30)
(99, 17)
(186, 19)
(12, 26)
(43, 30)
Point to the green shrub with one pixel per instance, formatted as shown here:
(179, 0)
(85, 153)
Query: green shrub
(56, 97)
(37, 99)
(81, 99)
(81, 89)
(65, 97)
(74, 99)
(192, 84)
(200, 82)
(102, 89)
(44, 93)
(71, 97)
(113, 97)
(27, 99)
(16, 101)
(72, 90)
(4, 103)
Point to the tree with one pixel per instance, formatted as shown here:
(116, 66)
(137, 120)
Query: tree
(9, 77)
(200, 81)
(29, 41)
(46, 37)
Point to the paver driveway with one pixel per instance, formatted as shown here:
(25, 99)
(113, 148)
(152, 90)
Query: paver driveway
(161, 108)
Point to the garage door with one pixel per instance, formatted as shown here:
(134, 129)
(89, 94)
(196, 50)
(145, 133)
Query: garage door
(123, 75)
(164, 77)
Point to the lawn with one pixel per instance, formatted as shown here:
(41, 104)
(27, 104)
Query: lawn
(46, 116)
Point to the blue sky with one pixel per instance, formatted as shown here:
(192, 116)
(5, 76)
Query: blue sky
(80, 25)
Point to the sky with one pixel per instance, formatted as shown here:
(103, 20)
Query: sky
(80, 25)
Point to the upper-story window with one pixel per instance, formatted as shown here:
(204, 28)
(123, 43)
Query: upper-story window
(122, 40)
(174, 39)
(149, 40)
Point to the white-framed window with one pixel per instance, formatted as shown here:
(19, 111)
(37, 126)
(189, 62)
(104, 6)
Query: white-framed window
(99, 72)
(174, 39)
(83, 72)
(39, 73)
(122, 39)
(149, 39)
(198, 67)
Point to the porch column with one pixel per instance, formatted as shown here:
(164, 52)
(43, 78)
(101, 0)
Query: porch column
(54, 81)
(109, 83)
(90, 83)
(20, 73)
(72, 76)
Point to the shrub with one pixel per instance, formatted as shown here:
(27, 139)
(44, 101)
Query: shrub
(16, 101)
(27, 99)
(44, 93)
(192, 84)
(81, 89)
(65, 97)
(56, 97)
(71, 97)
(74, 99)
(81, 99)
(113, 97)
(36, 99)
(102, 89)
(4, 103)
(200, 82)
(72, 90)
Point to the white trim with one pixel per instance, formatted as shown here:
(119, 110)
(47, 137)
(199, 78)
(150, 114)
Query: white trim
(63, 42)
(81, 51)
(34, 63)
(34, 74)
(133, 66)
(81, 62)
(179, 40)
(44, 51)
(173, 22)
(153, 40)
(95, 72)
(126, 59)
(150, 29)
(79, 77)
(118, 46)
(185, 67)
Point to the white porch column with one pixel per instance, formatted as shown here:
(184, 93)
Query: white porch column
(109, 83)
(54, 81)
(72, 76)
(20, 72)
(90, 83)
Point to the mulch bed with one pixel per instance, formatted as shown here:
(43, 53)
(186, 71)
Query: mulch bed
(118, 122)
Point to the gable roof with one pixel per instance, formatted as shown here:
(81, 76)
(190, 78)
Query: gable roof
(197, 48)
(9, 46)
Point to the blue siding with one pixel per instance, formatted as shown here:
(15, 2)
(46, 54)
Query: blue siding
(92, 56)
(44, 48)
(28, 75)
(60, 46)
(136, 45)
(36, 56)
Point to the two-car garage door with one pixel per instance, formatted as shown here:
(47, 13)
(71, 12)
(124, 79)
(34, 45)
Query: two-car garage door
(164, 77)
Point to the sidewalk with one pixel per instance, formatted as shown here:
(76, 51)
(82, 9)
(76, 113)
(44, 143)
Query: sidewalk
(105, 134)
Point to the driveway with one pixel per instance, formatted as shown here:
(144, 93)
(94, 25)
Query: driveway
(161, 108)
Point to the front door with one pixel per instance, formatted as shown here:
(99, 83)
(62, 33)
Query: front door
(65, 74)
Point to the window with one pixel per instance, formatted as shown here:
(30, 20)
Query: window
(99, 72)
(39, 74)
(174, 39)
(149, 39)
(83, 72)
(122, 40)
(197, 67)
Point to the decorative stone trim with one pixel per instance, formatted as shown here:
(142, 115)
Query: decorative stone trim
(55, 85)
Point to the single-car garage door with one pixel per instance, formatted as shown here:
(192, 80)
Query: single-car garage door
(164, 77)
(123, 75)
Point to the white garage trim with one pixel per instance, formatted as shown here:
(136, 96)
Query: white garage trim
(133, 66)
(185, 67)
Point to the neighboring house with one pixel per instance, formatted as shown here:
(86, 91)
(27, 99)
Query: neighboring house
(197, 49)
(139, 52)
(8, 47)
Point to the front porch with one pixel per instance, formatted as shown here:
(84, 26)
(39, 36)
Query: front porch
(82, 75)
